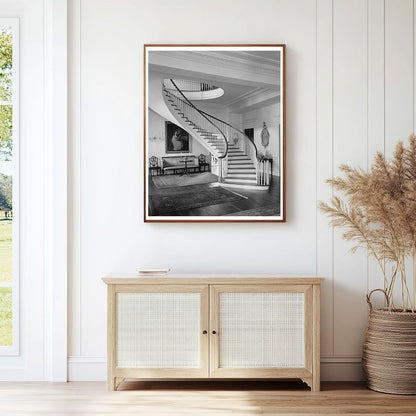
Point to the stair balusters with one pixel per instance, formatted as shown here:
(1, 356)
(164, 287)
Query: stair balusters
(214, 131)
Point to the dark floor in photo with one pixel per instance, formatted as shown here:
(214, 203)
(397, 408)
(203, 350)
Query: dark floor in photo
(199, 194)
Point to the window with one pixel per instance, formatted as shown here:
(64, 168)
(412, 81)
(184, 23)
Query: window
(9, 290)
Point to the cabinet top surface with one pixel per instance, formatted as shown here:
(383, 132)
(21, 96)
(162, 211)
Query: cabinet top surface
(172, 278)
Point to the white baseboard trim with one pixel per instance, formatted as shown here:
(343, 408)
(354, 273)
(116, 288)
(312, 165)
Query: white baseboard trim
(333, 368)
(340, 359)
(87, 368)
(341, 368)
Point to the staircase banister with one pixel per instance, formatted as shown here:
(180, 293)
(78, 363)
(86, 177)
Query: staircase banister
(203, 115)
(193, 86)
(234, 128)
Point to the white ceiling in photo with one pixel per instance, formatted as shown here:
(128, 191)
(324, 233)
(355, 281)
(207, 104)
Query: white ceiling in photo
(247, 77)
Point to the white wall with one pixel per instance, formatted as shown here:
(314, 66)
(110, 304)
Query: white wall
(350, 91)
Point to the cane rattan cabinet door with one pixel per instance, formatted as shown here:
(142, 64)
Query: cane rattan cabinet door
(261, 331)
(161, 331)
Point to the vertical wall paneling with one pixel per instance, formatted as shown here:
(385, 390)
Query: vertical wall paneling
(399, 71)
(324, 261)
(375, 110)
(74, 184)
(56, 182)
(399, 88)
(350, 146)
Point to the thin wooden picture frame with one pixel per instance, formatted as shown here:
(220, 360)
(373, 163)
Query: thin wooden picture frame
(213, 92)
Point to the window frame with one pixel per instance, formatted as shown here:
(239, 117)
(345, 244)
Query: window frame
(14, 349)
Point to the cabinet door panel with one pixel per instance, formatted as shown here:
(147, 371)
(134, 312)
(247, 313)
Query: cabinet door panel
(159, 332)
(260, 330)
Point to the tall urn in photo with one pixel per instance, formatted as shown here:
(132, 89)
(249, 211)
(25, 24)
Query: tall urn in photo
(265, 137)
(379, 214)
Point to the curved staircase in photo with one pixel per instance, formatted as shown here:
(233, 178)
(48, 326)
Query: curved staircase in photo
(239, 165)
(241, 169)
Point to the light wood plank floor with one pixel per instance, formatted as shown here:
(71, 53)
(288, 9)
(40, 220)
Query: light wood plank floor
(197, 398)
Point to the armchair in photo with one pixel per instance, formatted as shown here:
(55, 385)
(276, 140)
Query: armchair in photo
(203, 164)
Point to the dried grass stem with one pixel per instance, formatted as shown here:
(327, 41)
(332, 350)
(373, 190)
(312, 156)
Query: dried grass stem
(378, 213)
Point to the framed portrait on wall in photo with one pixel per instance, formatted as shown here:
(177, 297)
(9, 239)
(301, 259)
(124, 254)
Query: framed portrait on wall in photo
(177, 140)
(221, 110)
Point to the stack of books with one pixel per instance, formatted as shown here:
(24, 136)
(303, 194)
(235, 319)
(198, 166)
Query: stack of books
(152, 272)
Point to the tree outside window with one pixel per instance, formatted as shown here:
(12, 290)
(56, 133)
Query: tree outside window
(6, 200)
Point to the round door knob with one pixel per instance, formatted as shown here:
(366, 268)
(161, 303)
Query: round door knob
(205, 332)
(214, 332)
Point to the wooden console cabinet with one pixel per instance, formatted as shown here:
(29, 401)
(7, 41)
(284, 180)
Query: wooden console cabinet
(214, 327)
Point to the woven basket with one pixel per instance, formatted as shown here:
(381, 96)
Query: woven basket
(389, 352)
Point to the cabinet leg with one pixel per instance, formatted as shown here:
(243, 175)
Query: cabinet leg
(313, 382)
(316, 384)
(114, 382)
(110, 383)
(308, 382)
(118, 381)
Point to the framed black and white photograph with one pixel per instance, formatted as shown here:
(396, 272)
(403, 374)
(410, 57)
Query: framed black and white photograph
(214, 133)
